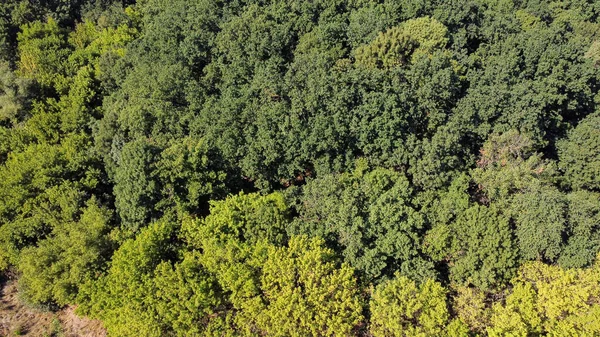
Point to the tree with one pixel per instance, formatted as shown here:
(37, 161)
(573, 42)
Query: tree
(397, 45)
(302, 293)
(470, 306)
(578, 154)
(247, 218)
(41, 187)
(400, 307)
(540, 76)
(15, 96)
(43, 52)
(365, 22)
(5, 33)
(120, 297)
(583, 219)
(519, 181)
(190, 173)
(444, 141)
(233, 235)
(441, 209)
(508, 165)
(367, 217)
(52, 271)
(551, 301)
(518, 316)
(483, 252)
(187, 296)
(135, 191)
(50, 176)
(266, 283)
(540, 219)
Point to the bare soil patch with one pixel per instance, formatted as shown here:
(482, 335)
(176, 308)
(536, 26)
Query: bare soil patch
(18, 319)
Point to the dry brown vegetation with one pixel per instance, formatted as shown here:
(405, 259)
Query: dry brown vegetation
(18, 319)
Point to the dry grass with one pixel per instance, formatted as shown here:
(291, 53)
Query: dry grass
(17, 319)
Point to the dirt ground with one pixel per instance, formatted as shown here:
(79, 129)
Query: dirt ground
(17, 319)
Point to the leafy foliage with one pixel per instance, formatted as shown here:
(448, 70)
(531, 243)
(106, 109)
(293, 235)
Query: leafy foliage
(399, 45)
(401, 308)
(549, 300)
(368, 217)
(304, 168)
(484, 253)
(72, 255)
(540, 222)
(303, 294)
(579, 156)
(581, 247)
(15, 95)
(124, 297)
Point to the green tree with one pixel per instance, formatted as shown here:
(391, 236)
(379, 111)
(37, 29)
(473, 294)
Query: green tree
(140, 293)
(266, 283)
(400, 307)
(539, 76)
(508, 165)
(249, 218)
(366, 21)
(15, 96)
(187, 296)
(190, 173)
(53, 270)
(441, 208)
(40, 188)
(483, 252)
(548, 300)
(470, 306)
(540, 220)
(43, 52)
(49, 173)
(518, 316)
(402, 44)
(578, 154)
(302, 293)
(448, 140)
(366, 216)
(583, 229)
(135, 191)
(237, 230)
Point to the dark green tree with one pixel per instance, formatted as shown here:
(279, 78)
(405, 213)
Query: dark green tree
(368, 218)
(583, 230)
(483, 252)
(578, 153)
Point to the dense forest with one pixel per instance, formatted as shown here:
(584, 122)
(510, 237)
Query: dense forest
(304, 168)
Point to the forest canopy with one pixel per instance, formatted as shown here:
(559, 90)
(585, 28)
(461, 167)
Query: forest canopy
(304, 168)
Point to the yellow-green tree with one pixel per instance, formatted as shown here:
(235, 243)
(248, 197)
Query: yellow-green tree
(401, 44)
(302, 293)
(276, 289)
(470, 307)
(551, 301)
(402, 308)
(76, 251)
